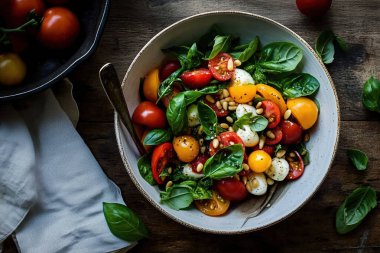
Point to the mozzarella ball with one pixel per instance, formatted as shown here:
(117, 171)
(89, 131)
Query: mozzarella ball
(243, 109)
(188, 171)
(257, 184)
(192, 116)
(248, 136)
(241, 77)
(279, 169)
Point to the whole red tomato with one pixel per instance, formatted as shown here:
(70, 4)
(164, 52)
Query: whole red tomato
(291, 132)
(59, 28)
(149, 114)
(313, 8)
(18, 11)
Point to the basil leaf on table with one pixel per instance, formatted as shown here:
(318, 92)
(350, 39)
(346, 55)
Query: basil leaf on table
(341, 43)
(177, 197)
(166, 85)
(208, 119)
(221, 44)
(280, 57)
(145, 169)
(249, 50)
(123, 222)
(325, 46)
(371, 95)
(176, 113)
(299, 85)
(358, 158)
(157, 136)
(255, 122)
(355, 208)
(225, 163)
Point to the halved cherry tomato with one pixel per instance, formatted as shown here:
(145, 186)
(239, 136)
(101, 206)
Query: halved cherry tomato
(218, 66)
(151, 84)
(219, 112)
(18, 11)
(291, 132)
(213, 207)
(168, 68)
(273, 95)
(267, 148)
(231, 189)
(201, 158)
(196, 79)
(226, 139)
(186, 148)
(150, 115)
(278, 136)
(272, 113)
(161, 156)
(166, 99)
(304, 110)
(296, 168)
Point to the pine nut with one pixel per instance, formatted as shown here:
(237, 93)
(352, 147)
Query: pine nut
(306, 138)
(260, 111)
(203, 149)
(201, 142)
(231, 103)
(229, 119)
(232, 143)
(225, 105)
(170, 170)
(221, 145)
(232, 107)
(221, 96)
(261, 141)
(219, 105)
(271, 135)
(250, 103)
(244, 180)
(200, 130)
(287, 114)
(224, 125)
(199, 167)
(270, 181)
(230, 65)
(237, 63)
(210, 99)
(303, 152)
(259, 104)
(169, 184)
(249, 186)
(245, 167)
(280, 153)
(225, 93)
(271, 119)
(215, 143)
(292, 154)
(228, 99)
(230, 129)
(237, 177)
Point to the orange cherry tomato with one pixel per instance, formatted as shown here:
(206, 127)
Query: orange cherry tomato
(151, 85)
(186, 148)
(304, 110)
(259, 161)
(213, 207)
(273, 95)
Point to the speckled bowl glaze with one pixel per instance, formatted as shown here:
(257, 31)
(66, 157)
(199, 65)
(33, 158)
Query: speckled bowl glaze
(290, 196)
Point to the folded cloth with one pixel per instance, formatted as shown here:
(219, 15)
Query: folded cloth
(67, 214)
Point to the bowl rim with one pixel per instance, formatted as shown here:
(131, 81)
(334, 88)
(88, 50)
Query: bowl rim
(118, 132)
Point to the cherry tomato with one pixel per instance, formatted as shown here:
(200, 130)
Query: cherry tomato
(186, 148)
(226, 139)
(231, 189)
(278, 136)
(219, 112)
(259, 161)
(291, 132)
(57, 2)
(213, 207)
(161, 156)
(166, 99)
(304, 110)
(273, 95)
(201, 158)
(150, 115)
(242, 87)
(151, 84)
(219, 66)
(59, 28)
(168, 68)
(196, 79)
(296, 168)
(267, 148)
(272, 113)
(18, 11)
(12, 69)
(313, 8)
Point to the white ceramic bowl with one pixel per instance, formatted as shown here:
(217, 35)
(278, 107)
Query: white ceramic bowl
(324, 137)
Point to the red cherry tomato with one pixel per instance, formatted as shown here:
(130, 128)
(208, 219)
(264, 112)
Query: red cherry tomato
(168, 68)
(150, 115)
(201, 158)
(231, 189)
(227, 139)
(296, 168)
(59, 28)
(219, 66)
(278, 136)
(291, 132)
(267, 148)
(166, 99)
(313, 8)
(272, 113)
(18, 11)
(161, 156)
(219, 112)
(196, 79)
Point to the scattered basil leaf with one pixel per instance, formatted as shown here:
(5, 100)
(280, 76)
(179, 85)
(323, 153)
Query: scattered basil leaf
(177, 197)
(176, 113)
(358, 158)
(341, 43)
(325, 46)
(157, 136)
(206, 40)
(208, 119)
(355, 208)
(123, 222)
(221, 44)
(371, 95)
(145, 169)
(255, 122)
(299, 85)
(249, 50)
(166, 85)
(280, 57)
(225, 163)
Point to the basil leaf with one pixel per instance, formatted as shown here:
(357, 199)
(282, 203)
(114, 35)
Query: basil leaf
(198, 190)
(208, 119)
(176, 113)
(250, 68)
(166, 85)
(123, 222)
(192, 95)
(249, 50)
(225, 163)
(358, 158)
(221, 44)
(305, 154)
(193, 58)
(299, 85)
(371, 95)
(325, 46)
(145, 169)
(157, 136)
(279, 57)
(208, 38)
(177, 197)
(341, 43)
(255, 122)
(259, 76)
(355, 208)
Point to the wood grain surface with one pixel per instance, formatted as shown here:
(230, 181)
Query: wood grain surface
(132, 23)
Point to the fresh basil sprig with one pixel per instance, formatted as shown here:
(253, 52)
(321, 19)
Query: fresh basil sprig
(157, 136)
(208, 119)
(371, 94)
(192, 95)
(176, 113)
(358, 158)
(355, 208)
(325, 46)
(255, 122)
(221, 44)
(167, 85)
(123, 222)
(299, 85)
(145, 169)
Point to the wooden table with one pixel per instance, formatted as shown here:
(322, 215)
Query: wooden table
(132, 23)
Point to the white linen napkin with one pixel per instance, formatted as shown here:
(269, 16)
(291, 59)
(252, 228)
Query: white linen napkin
(49, 175)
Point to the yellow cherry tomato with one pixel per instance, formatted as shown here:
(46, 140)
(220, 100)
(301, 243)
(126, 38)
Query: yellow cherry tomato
(213, 207)
(259, 161)
(304, 110)
(186, 148)
(273, 95)
(242, 87)
(151, 84)
(12, 69)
